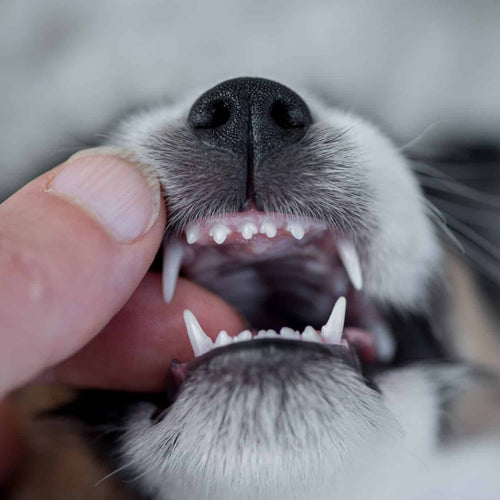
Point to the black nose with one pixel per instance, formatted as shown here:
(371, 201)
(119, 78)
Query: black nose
(250, 117)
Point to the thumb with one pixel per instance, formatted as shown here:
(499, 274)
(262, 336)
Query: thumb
(74, 245)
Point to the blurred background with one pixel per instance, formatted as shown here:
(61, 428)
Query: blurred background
(69, 69)
(426, 72)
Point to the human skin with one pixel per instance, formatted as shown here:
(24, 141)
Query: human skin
(77, 303)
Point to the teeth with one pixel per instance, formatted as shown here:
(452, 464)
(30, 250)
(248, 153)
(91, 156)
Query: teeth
(172, 260)
(310, 335)
(192, 234)
(332, 330)
(266, 334)
(296, 229)
(289, 333)
(200, 342)
(248, 229)
(244, 336)
(268, 228)
(219, 233)
(350, 259)
(222, 339)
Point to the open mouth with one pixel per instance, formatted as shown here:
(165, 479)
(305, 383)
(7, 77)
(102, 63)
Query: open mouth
(292, 278)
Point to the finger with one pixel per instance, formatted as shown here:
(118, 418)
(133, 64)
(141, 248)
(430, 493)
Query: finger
(135, 349)
(74, 245)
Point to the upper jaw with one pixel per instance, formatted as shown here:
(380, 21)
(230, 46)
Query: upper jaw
(254, 235)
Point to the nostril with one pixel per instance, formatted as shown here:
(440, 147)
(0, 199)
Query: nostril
(249, 118)
(210, 115)
(288, 115)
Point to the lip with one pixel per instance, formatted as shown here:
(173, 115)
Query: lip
(179, 372)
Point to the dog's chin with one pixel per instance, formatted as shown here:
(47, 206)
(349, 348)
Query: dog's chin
(273, 419)
(266, 419)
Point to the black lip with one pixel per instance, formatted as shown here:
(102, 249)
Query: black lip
(179, 372)
(335, 350)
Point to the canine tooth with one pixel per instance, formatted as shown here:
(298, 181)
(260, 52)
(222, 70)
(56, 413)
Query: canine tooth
(200, 342)
(332, 330)
(222, 339)
(268, 228)
(310, 335)
(192, 234)
(289, 333)
(296, 229)
(172, 260)
(350, 259)
(248, 229)
(219, 233)
(244, 336)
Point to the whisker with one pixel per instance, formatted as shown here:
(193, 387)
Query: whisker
(484, 218)
(475, 238)
(422, 134)
(446, 184)
(483, 263)
(440, 220)
(116, 471)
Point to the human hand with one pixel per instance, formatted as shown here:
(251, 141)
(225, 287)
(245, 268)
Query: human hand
(77, 304)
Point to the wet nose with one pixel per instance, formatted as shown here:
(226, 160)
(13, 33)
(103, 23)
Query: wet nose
(250, 117)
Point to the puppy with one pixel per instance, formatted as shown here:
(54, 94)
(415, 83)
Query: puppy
(313, 225)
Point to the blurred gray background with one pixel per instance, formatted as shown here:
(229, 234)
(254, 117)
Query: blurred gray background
(69, 69)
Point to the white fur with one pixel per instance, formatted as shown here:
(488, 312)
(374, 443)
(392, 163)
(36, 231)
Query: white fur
(399, 460)
(404, 254)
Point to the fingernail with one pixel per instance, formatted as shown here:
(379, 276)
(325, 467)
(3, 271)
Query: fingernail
(122, 194)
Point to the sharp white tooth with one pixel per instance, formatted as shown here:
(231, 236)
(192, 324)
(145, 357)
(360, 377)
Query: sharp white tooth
(310, 335)
(200, 342)
(289, 333)
(172, 260)
(219, 233)
(268, 228)
(244, 336)
(332, 330)
(296, 229)
(222, 339)
(350, 259)
(248, 229)
(192, 234)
